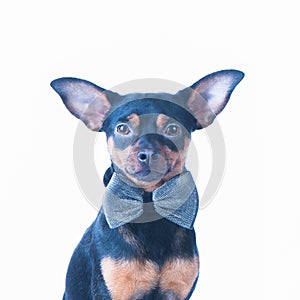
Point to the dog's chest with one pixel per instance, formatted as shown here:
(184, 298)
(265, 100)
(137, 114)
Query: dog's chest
(133, 279)
(164, 258)
(159, 240)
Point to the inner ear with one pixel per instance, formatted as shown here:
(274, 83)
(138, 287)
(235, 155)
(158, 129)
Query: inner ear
(85, 100)
(207, 97)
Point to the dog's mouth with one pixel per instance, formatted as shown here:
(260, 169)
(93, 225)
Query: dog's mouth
(149, 175)
(148, 171)
(142, 173)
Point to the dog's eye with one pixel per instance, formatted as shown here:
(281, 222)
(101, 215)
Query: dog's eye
(123, 129)
(172, 130)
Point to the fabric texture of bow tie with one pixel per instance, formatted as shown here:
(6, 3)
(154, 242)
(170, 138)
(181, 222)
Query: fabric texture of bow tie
(176, 200)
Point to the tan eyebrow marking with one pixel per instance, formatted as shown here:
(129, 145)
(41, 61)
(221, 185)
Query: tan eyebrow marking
(134, 120)
(162, 120)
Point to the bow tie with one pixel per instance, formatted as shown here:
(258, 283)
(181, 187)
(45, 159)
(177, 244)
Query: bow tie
(176, 200)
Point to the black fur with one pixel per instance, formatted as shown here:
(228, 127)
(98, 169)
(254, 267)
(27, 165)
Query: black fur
(108, 174)
(149, 106)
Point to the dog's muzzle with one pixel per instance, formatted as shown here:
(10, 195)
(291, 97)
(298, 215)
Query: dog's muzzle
(148, 159)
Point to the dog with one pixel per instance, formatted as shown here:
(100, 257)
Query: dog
(142, 244)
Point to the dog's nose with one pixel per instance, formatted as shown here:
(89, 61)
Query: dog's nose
(143, 156)
(146, 155)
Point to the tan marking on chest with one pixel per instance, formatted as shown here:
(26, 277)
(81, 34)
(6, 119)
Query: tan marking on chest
(129, 279)
(178, 276)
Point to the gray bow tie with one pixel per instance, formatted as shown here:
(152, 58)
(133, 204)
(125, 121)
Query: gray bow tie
(176, 200)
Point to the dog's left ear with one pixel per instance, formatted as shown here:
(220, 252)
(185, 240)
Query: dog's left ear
(207, 97)
(85, 100)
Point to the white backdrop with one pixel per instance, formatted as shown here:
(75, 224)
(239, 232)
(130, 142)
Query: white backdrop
(249, 236)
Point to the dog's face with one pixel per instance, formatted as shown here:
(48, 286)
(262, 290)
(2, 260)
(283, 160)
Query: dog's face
(148, 134)
(149, 148)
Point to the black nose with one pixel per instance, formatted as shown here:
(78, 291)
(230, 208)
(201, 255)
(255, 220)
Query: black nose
(143, 156)
(146, 155)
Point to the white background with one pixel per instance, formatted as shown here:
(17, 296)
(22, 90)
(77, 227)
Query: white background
(249, 236)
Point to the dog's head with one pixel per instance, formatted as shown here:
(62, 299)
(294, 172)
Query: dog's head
(148, 134)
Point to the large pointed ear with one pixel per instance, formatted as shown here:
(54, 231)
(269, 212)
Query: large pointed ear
(84, 100)
(208, 96)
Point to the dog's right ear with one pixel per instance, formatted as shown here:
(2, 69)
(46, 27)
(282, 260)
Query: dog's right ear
(84, 100)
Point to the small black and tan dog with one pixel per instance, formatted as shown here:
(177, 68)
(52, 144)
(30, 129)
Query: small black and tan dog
(142, 244)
